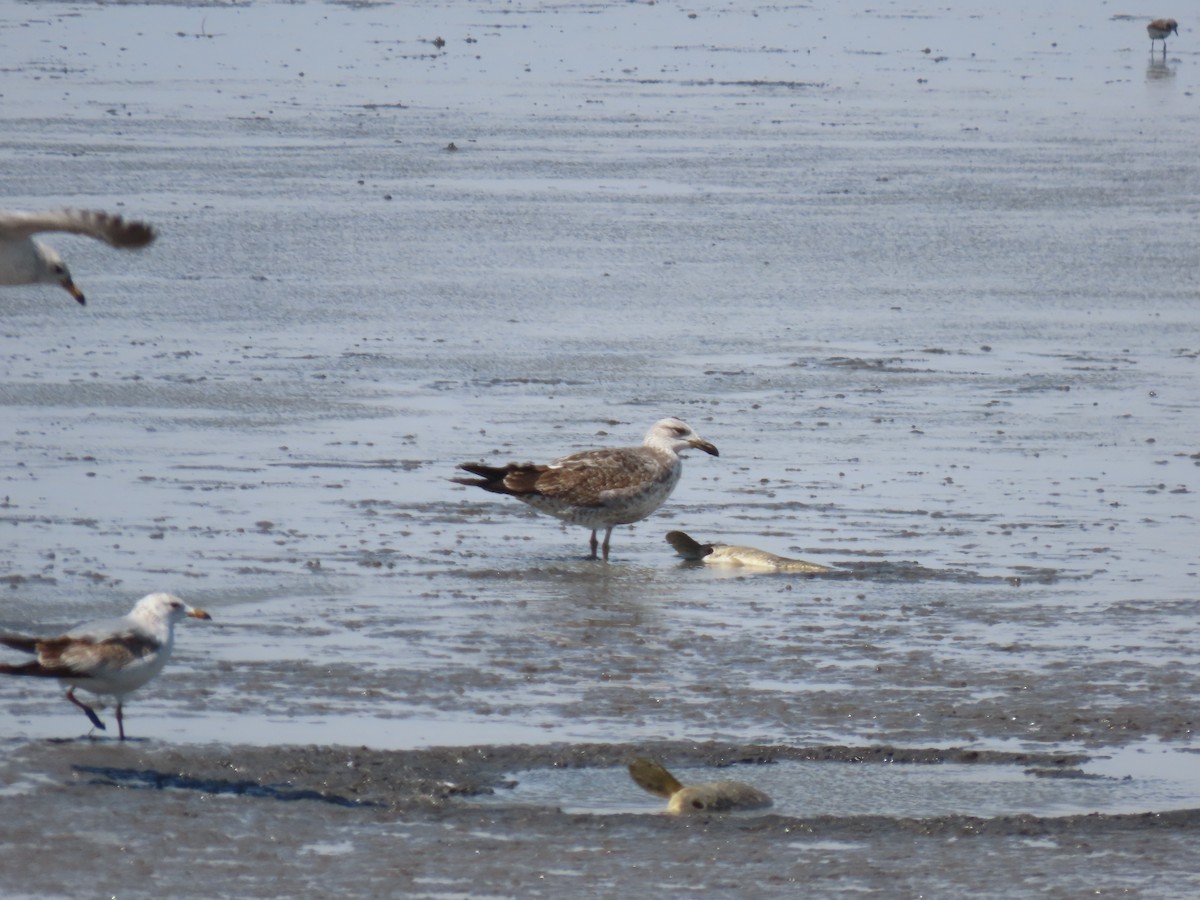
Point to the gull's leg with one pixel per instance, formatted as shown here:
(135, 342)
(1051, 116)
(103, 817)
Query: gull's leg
(120, 720)
(91, 713)
(607, 537)
(594, 544)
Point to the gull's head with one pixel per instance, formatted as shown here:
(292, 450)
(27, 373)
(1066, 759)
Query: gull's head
(164, 607)
(52, 270)
(676, 435)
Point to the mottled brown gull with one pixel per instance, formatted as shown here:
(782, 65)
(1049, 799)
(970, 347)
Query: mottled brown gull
(24, 260)
(598, 488)
(115, 656)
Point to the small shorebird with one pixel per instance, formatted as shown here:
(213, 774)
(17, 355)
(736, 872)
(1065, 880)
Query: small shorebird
(24, 260)
(1158, 31)
(716, 796)
(115, 656)
(598, 488)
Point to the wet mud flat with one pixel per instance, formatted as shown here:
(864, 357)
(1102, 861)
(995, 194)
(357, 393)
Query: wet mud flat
(254, 821)
(922, 283)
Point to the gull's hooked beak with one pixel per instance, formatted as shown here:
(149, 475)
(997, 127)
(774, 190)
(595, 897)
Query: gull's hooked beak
(198, 614)
(70, 288)
(704, 445)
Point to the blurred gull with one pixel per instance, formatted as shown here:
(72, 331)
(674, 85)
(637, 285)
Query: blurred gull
(1159, 30)
(24, 260)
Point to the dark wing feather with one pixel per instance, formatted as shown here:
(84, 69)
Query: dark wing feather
(83, 657)
(21, 642)
(25, 644)
(29, 668)
(515, 478)
(76, 657)
(590, 478)
(108, 227)
(600, 476)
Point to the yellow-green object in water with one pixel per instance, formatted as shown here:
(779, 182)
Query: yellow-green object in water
(746, 557)
(716, 796)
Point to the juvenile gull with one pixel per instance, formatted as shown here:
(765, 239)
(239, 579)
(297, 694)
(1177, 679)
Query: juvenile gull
(115, 656)
(24, 260)
(598, 488)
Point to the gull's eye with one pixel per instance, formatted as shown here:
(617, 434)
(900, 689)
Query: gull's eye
(60, 270)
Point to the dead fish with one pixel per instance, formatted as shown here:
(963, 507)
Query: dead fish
(747, 557)
(716, 796)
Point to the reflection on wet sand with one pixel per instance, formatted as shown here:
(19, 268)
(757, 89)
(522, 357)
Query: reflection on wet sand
(1158, 70)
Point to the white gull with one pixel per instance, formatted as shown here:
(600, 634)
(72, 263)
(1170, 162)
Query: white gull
(24, 260)
(598, 488)
(115, 656)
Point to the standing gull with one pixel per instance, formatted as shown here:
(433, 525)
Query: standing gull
(115, 656)
(598, 488)
(24, 260)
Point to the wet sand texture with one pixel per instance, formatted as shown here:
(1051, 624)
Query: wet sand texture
(925, 278)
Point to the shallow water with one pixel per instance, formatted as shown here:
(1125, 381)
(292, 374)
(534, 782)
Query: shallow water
(1134, 782)
(933, 307)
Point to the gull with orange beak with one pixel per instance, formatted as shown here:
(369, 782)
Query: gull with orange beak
(115, 656)
(24, 260)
